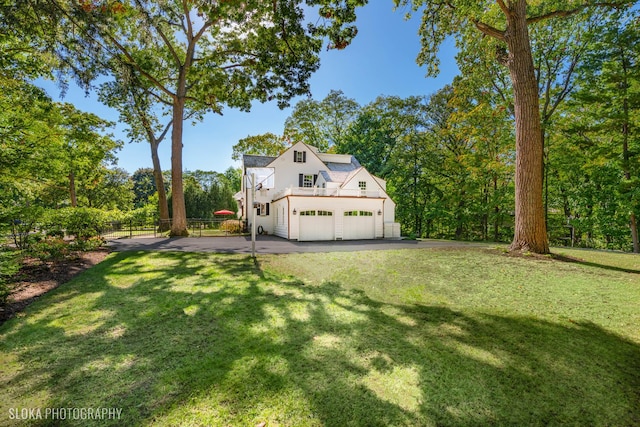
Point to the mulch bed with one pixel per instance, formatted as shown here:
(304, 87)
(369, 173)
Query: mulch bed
(37, 278)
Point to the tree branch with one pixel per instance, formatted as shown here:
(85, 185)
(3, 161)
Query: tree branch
(135, 65)
(503, 7)
(185, 11)
(565, 13)
(489, 30)
(164, 38)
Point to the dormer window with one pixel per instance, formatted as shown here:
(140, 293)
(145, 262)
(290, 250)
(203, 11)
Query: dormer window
(300, 156)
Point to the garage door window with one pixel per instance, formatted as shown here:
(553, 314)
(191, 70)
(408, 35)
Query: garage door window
(325, 213)
(351, 213)
(308, 213)
(366, 213)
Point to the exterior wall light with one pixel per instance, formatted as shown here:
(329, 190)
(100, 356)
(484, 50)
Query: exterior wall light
(294, 211)
(379, 212)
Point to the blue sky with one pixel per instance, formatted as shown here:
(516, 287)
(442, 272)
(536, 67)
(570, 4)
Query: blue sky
(380, 61)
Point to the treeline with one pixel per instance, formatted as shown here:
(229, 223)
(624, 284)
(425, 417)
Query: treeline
(449, 158)
(55, 156)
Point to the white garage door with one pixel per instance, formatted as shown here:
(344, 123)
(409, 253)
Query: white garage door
(316, 225)
(359, 225)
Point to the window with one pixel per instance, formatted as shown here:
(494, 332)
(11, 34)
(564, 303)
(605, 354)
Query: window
(263, 209)
(307, 181)
(362, 185)
(308, 213)
(300, 156)
(325, 213)
(366, 213)
(351, 213)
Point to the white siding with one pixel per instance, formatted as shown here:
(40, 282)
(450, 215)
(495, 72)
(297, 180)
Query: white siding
(281, 218)
(287, 171)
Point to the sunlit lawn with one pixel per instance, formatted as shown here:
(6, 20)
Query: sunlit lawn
(408, 337)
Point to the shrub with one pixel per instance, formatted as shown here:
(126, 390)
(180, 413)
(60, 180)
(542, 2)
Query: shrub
(145, 215)
(231, 226)
(22, 224)
(9, 266)
(50, 249)
(90, 244)
(82, 223)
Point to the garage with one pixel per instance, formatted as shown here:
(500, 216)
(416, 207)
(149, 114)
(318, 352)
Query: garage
(358, 225)
(316, 225)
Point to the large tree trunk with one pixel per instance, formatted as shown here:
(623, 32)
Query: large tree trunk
(530, 229)
(163, 205)
(179, 222)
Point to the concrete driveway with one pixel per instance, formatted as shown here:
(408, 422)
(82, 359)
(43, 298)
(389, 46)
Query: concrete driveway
(272, 245)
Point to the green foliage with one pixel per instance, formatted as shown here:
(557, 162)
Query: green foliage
(321, 124)
(111, 189)
(207, 192)
(10, 261)
(81, 223)
(22, 221)
(144, 186)
(267, 144)
(50, 249)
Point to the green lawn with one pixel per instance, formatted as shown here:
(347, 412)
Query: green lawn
(408, 337)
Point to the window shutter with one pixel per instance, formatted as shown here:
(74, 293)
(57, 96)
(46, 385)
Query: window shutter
(315, 178)
(295, 156)
(304, 157)
(300, 180)
(267, 204)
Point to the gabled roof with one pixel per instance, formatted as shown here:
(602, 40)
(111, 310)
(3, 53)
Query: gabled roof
(252, 161)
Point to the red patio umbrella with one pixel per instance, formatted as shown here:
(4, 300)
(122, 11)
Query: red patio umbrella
(224, 212)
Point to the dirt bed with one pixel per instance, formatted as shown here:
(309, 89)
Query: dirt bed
(37, 278)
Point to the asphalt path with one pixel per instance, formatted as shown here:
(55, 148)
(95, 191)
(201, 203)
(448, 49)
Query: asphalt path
(273, 245)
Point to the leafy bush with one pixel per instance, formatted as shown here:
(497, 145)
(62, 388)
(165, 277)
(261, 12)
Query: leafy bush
(144, 215)
(231, 226)
(82, 223)
(50, 249)
(90, 244)
(22, 221)
(9, 266)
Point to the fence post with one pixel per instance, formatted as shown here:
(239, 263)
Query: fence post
(130, 228)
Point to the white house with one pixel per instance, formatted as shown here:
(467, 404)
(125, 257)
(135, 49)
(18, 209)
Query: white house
(306, 195)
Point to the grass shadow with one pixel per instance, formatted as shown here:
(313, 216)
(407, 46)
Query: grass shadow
(575, 260)
(203, 339)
